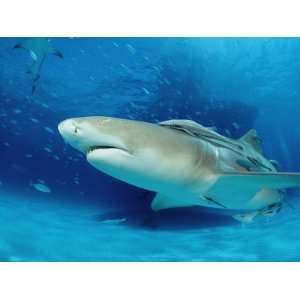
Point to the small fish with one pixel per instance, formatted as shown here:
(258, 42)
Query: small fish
(50, 130)
(156, 68)
(166, 81)
(146, 91)
(41, 187)
(131, 49)
(235, 125)
(114, 221)
(45, 105)
(35, 120)
(47, 149)
(125, 67)
(76, 180)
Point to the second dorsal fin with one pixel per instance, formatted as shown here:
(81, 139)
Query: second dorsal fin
(252, 138)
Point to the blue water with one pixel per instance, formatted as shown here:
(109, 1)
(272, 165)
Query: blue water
(234, 84)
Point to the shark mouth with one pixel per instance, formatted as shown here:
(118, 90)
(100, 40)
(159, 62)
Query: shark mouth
(93, 148)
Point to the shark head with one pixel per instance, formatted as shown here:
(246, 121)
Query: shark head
(143, 154)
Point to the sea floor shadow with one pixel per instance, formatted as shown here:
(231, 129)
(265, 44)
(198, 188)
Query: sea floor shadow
(169, 219)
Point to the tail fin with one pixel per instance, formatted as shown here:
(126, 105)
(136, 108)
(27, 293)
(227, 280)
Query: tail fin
(34, 84)
(33, 88)
(17, 46)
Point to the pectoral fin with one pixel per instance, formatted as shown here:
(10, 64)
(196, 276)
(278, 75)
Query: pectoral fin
(239, 188)
(56, 52)
(17, 46)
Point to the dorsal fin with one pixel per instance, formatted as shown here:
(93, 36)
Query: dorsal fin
(205, 133)
(188, 126)
(212, 128)
(252, 138)
(181, 123)
(275, 164)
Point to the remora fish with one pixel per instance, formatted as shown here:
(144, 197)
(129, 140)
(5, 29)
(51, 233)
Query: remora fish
(185, 163)
(38, 48)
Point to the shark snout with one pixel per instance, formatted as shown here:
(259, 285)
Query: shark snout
(71, 132)
(68, 127)
(85, 134)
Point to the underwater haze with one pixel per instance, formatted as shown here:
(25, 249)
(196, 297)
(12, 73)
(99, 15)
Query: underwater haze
(54, 206)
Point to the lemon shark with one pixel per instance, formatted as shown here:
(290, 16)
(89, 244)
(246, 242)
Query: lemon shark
(39, 48)
(185, 163)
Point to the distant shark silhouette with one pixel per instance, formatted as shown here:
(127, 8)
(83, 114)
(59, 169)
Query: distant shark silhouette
(38, 48)
(185, 163)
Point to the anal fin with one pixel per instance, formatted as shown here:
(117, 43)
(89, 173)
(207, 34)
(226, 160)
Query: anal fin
(247, 217)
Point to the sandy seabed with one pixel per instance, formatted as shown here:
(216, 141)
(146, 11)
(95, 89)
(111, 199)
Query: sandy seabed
(39, 230)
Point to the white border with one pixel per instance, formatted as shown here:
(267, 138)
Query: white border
(149, 281)
(149, 18)
(145, 280)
